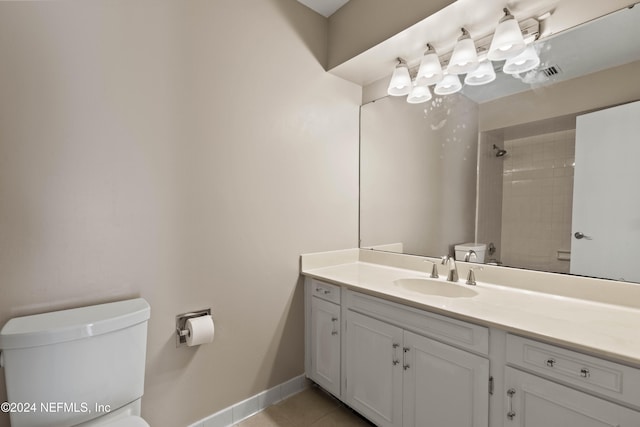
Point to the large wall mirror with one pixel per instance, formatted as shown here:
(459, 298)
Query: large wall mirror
(517, 164)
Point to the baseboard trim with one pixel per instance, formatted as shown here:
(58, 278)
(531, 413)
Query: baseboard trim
(251, 406)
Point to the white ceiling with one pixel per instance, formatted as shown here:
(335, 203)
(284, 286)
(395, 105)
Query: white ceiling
(325, 8)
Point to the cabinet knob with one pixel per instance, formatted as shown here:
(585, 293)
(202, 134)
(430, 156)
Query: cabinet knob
(584, 373)
(551, 363)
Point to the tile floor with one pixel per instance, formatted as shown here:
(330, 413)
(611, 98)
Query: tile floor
(310, 408)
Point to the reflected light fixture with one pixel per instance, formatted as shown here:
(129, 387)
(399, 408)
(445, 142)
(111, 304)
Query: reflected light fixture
(507, 41)
(419, 94)
(430, 71)
(482, 75)
(526, 61)
(400, 83)
(450, 84)
(464, 57)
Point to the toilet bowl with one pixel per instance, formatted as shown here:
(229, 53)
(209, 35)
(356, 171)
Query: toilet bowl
(79, 367)
(132, 421)
(129, 421)
(127, 416)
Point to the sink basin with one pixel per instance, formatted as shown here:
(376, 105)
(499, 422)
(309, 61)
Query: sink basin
(436, 287)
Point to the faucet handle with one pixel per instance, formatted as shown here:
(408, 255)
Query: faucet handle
(434, 269)
(471, 278)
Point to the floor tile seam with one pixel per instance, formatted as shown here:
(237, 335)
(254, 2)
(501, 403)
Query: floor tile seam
(319, 394)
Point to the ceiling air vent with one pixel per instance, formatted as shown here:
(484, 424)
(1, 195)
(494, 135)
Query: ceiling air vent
(551, 71)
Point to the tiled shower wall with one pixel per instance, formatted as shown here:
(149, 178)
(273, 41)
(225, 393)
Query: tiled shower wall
(537, 199)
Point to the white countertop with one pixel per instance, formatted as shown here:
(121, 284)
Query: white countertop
(602, 329)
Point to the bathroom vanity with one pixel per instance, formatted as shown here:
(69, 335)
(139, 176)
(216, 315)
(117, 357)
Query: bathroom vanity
(520, 348)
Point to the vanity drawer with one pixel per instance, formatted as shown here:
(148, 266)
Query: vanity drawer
(325, 291)
(587, 372)
(444, 329)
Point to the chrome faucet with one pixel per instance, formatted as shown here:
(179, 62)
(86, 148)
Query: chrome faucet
(434, 270)
(450, 262)
(470, 253)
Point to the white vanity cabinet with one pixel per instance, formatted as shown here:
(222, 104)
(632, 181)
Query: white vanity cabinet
(324, 332)
(401, 366)
(599, 388)
(397, 376)
(374, 369)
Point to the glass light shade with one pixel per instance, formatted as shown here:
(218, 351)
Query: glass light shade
(464, 58)
(430, 71)
(507, 40)
(526, 61)
(482, 75)
(449, 84)
(419, 94)
(400, 83)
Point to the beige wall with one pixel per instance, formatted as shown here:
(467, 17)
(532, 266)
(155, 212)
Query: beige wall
(418, 173)
(362, 24)
(605, 88)
(186, 152)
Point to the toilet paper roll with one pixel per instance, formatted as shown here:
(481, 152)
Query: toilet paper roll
(201, 330)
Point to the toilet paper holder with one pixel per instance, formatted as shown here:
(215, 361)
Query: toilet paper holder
(181, 320)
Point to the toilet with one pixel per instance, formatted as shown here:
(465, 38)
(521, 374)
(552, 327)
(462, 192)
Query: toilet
(78, 367)
(479, 250)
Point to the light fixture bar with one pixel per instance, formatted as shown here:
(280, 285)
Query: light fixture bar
(512, 41)
(530, 30)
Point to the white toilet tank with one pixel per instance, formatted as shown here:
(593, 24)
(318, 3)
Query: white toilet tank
(478, 248)
(76, 365)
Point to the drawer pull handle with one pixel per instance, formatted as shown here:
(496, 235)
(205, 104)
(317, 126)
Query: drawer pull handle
(584, 373)
(551, 363)
(334, 330)
(511, 414)
(395, 359)
(405, 365)
(327, 292)
(318, 289)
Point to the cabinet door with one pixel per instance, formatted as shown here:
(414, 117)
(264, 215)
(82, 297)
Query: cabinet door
(443, 386)
(536, 402)
(325, 345)
(374, 369)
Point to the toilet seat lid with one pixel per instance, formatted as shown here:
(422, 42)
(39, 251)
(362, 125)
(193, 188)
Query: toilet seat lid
(131, 421)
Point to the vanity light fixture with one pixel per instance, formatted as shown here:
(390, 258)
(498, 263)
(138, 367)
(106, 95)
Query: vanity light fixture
(400, 83)
(464, 57)
(430, 71)
(482, 75)
(419, 94)
(511, 42)
(507, 41)
(450, 84)
(526, 61)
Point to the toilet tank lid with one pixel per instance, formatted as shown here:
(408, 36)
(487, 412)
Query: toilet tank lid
(471, 246)
(73, 324)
